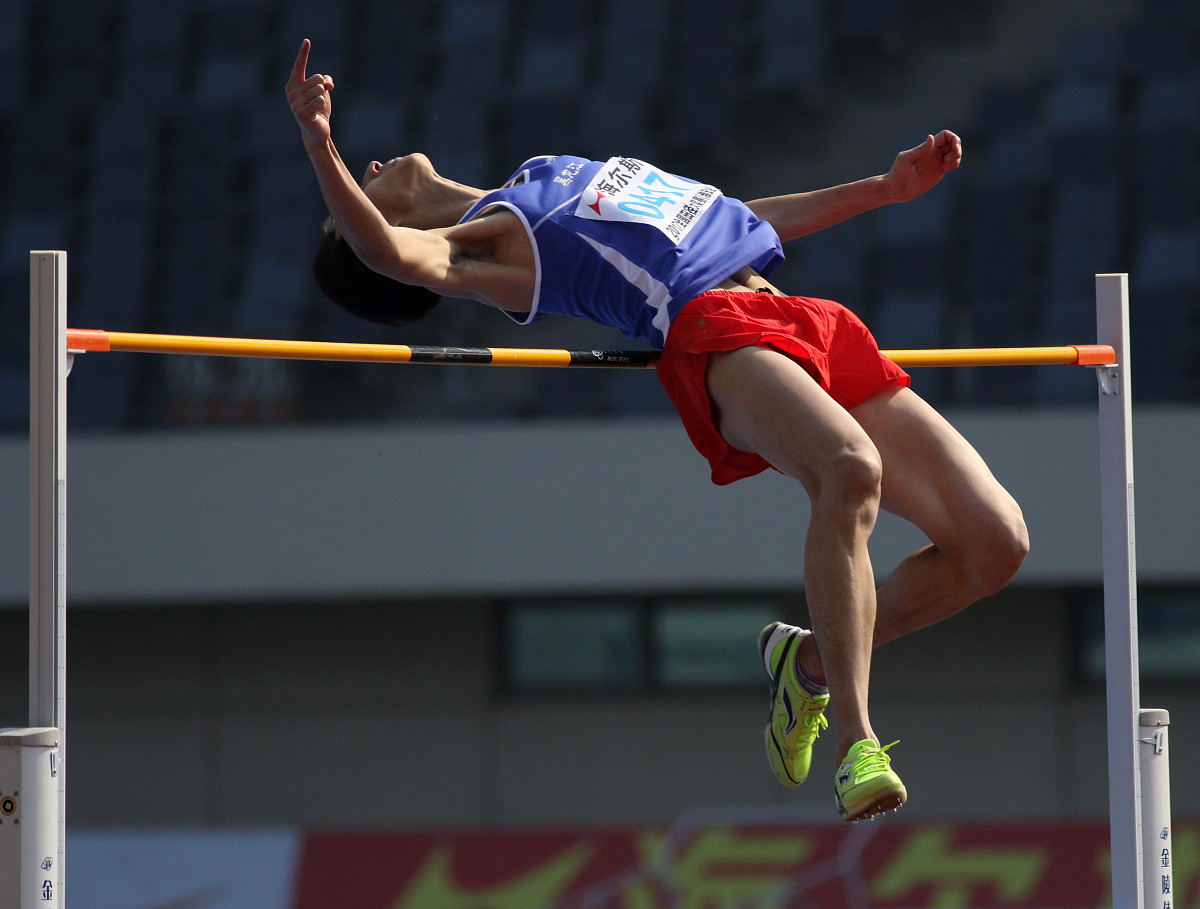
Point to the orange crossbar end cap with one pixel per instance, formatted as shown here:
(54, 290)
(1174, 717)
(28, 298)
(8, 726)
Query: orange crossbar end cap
(1095, 354)
(87, 339)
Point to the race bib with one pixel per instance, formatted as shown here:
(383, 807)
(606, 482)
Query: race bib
(626, 189)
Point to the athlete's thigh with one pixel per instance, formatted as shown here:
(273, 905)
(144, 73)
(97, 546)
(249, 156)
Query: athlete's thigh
(932, 476)
(767, 403)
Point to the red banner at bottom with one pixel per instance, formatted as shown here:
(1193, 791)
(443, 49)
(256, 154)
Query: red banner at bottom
(883, 865)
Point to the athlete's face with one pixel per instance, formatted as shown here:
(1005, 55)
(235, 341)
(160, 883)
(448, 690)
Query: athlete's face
(399, 187)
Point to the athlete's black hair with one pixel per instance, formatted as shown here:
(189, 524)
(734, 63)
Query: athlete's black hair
(367, 294)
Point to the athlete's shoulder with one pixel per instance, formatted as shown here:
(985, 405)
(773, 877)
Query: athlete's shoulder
(556, 168)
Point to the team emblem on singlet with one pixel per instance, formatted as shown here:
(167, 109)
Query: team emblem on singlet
(626, 189)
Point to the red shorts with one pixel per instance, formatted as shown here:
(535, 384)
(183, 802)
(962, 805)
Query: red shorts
(824, 337)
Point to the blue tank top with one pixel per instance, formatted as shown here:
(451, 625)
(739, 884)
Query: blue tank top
(625, 244)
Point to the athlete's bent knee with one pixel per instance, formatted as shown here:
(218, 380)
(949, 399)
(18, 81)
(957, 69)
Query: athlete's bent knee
(997, 557)
(851, 479)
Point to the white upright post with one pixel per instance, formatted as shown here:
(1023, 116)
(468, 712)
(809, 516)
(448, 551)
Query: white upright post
(1120, 595)
(48, 530)
(1156, 808)
(28, 819)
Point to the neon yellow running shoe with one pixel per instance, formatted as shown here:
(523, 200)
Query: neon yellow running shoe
(865, 784)
(797, 717)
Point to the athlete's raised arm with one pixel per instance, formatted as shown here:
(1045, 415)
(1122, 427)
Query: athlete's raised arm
(914, 172)
(412, 256)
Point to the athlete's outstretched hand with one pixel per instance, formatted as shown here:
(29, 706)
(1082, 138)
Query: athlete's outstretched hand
(309, 98)
(919, 169)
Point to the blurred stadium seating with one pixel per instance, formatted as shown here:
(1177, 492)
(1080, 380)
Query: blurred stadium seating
(151, 141)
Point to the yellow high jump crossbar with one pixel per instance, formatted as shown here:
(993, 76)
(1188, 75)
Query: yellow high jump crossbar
(82, 340)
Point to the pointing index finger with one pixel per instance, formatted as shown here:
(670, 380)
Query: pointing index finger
(301, 63)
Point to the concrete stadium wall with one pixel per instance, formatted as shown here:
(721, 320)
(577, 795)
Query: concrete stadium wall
(345, 715)
(314, 644)
(472, 509)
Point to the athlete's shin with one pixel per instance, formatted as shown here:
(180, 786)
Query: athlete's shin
(840, 590)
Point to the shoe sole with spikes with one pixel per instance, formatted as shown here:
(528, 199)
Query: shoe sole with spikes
(866, 786)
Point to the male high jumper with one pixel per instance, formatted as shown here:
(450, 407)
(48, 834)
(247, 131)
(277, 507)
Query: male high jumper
(760, 379)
